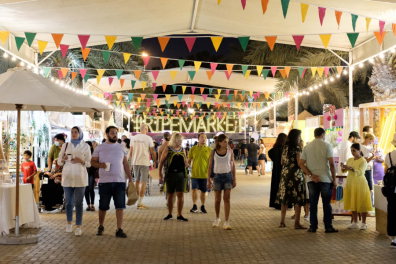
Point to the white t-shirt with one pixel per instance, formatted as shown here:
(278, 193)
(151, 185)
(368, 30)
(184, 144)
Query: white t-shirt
(141, 145)
(367, 154)
(393, 157)
(345, 152)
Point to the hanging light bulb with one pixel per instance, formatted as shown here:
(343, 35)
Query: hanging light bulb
(325, 81)
(13, 59)
(393, 50)
(310, 88)
(30, 66)
(57, 81)
(338, 76)
(345, 72)
(42, 72)
(316, 87)
(361, 65)
(307, 93)
(382, 55)
(22, 63)
(320, 85)
(352, 68)
(5, 55)
(371, 60)
(331, 79)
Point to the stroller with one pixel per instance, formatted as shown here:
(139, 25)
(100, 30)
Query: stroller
(51, 195)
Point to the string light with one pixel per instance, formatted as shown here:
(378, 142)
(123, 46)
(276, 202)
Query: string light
(13, 58)
(5, 55)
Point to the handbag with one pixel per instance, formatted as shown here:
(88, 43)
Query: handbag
(132, 194)
(212, 173)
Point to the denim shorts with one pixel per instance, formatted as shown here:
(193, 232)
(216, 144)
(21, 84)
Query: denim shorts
(199, 184)
(252, 162)
(222, 181)
(111, 189)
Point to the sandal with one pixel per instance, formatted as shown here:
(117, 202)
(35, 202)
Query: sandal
(282, 225)
(331, 231)
(88, 208)
(300, 227)
(92, 208)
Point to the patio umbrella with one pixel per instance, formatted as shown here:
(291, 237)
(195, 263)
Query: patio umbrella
(21, 89)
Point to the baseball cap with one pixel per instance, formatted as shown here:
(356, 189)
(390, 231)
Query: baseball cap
(354, 134)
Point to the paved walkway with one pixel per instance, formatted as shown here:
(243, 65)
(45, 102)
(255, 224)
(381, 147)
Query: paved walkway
(255, 237)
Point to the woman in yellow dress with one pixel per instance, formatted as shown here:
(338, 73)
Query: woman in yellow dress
(357, 193)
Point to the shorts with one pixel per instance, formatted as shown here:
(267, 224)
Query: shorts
(262, 157)
(111, 189)
(199, 184)
(141, 172)
(252, 163)
(243, 156)
(175, 182)
(222, 181)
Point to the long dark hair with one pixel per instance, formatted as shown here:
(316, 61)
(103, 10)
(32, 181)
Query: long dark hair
(292, 140)
(219, 139)
(357, 147)
(90, 145)
(280, 141)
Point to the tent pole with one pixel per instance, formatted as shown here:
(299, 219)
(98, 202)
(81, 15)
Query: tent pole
(350, 93)
(18, 146)
(275, 132)
(296, 106)
(83, 84)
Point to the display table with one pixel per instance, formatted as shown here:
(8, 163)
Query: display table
(28, 212)
(381, 210)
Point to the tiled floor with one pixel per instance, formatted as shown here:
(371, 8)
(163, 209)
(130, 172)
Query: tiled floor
(255, 237)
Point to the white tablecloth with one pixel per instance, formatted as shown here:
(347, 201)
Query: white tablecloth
(28, 212)
(380, 201)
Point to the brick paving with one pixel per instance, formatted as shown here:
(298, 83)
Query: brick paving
(255, 237)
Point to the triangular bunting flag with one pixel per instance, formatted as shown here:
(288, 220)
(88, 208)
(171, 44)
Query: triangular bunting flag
(106, 55)
(216, 42)
(191, 74)
(60, 74)
(244, 69)
(19, 41)
(213, 67)
(119, 73)
(338, 15)
(143, 85)
(137, 74)
(30, 37)
(181, 63)
(85, 53)
(197, 64)
(287, 70)
(57, 39)
(209, 73)
(283, 73)
(202, 89)
(247, 74)
(110, 80)
(381, 26)
(354, 18)
(193, 90)
(271, 41)
(313, 70)
(64, 49)
(164, 87)
(86, 77)
(173, 74)
(217, 96)
(326, 71)
(298, 40)
(40, 43)
(368, 20)
(133, 82)
(146, 60)
(136, 42)
(110, 41)
(285, 6)
(325, 39)
(83, 72)
(64, 71)
(163, 62)
(320, 71)
(143, 96)
(180, 96)
(155, 74)
(265, 74)
(273, 70)
(122, 82)
(174, 88)
(46, 71)
(163, 41)
(352, 38)
(259, 69)
(379, 37)
(339, 70)
(190, 43)
(100, 73)
(167, 96)
(126, 57)
(264, 5)
(83, 40)
(304, 10)
(322, 13)
(244, 42)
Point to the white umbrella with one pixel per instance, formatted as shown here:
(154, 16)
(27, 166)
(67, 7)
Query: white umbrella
(22, 89)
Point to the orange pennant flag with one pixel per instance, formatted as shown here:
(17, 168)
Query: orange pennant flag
(283, 73)
(320, 71)
(271, 41)
(164, 87)
(142, 96)
(163, 41)
(85, 53)
(202, 89)
(178, 106)
(338, 15)
(122, 82)
(209, 73)
(380, 37)
(229, 68)
(73, 74)
(158, 102)
(287, 69)
(57, 39)
(235, 93)
(137, 74)
(64, 72)
(394, 29)
(241, 96)
(339, 70)
(192, 97)
(164, 61)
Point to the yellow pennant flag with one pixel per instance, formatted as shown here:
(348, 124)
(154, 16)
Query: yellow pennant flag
(239, 105)
(208, 105)
(41, 44)
(197, 64)
(325, 39)
(320, 71)
(126, 57)
(184, 88)
(167, 96)
(259, 69)
(101, 95)
(287, 69)
(123, 105)
(100, 72)
(144, 85)
(304, 10)
(118, 96)
(250, 93)
(118, 103)
(216, 42)
(247, 74)
(4, 36)
(174, 104)
(139, 99)
(173, 74)
(98, 78)
(368, 20)
(218, 91)
(313, 70)
(110, 41)
(217, 97)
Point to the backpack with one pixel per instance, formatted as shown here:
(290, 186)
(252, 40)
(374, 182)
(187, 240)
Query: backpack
(389, 180)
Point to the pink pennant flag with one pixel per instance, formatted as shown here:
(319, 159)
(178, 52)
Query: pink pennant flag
(155, 97)
(105, 95)
(254, 96)
(154, 86)
(246, 105)
(83, 40)
(148, 104)
(110, 97)
(287, 95)
(173, 115)
(243, 2)
(298, 40)
(326, 70)
(216, 105)
(258, 94)
(164, 117)
(213, 67)
(155, 74)
(228, 75)
(228, 105)
(302, 75)
(322, 13)
(183, 103)
(64, 49)
(227, 92)
(381, 26)
(190, 43)
(110, 80)
(148, 101)
(192, 90)
(60, 74)
(177, 112)
(146, 60)
(83, 72)
(273, 70)
(204, 96)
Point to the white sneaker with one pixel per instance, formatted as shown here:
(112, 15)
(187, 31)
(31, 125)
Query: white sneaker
(354, 226)
(363, 227)
(226, 226)
(69, 228)
(307, 218)
(216, 222)
(78, 232)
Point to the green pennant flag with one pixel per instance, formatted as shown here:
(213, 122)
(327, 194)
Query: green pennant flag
(167, 105)
(249, 105)
(180, 96)
(174, 88)
(30, 37)
(244, 69)
(232, 105)
(300, 71)
(354, 18)
(200, 104)
(192, 74)
(130, 96)
(207, 117)
(352, 38)
(106, 55)
(89, 94)
(19, 41)
(285, 6)
(46, 71)
(244, 42)
(136, 42)
(181, 63)
(243, 93)
(265, 73)
(230, 97)
(133, 83)
(151, 117)
(210, 91)
(86, 77)
(119, 73)
(273, 95)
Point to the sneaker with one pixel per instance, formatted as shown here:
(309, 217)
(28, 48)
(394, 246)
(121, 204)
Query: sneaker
(181, 218)
(216, 222)
(203, 210)
(194, 209)
(142, 207)
(363, 227)
(120, 233)
(226, 226)
(354, 226)
(78, 232)
(69, 228)
(393, 245)
(100, 230)
(307, 218)
(169, 217)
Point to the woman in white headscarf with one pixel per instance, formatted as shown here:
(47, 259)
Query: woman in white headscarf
(75, 157)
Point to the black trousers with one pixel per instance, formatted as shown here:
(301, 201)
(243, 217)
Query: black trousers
(392, 215)
(90, 190)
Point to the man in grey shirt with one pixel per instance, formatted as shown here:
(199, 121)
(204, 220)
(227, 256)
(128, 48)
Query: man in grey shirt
(318, 164)
(251, 151)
